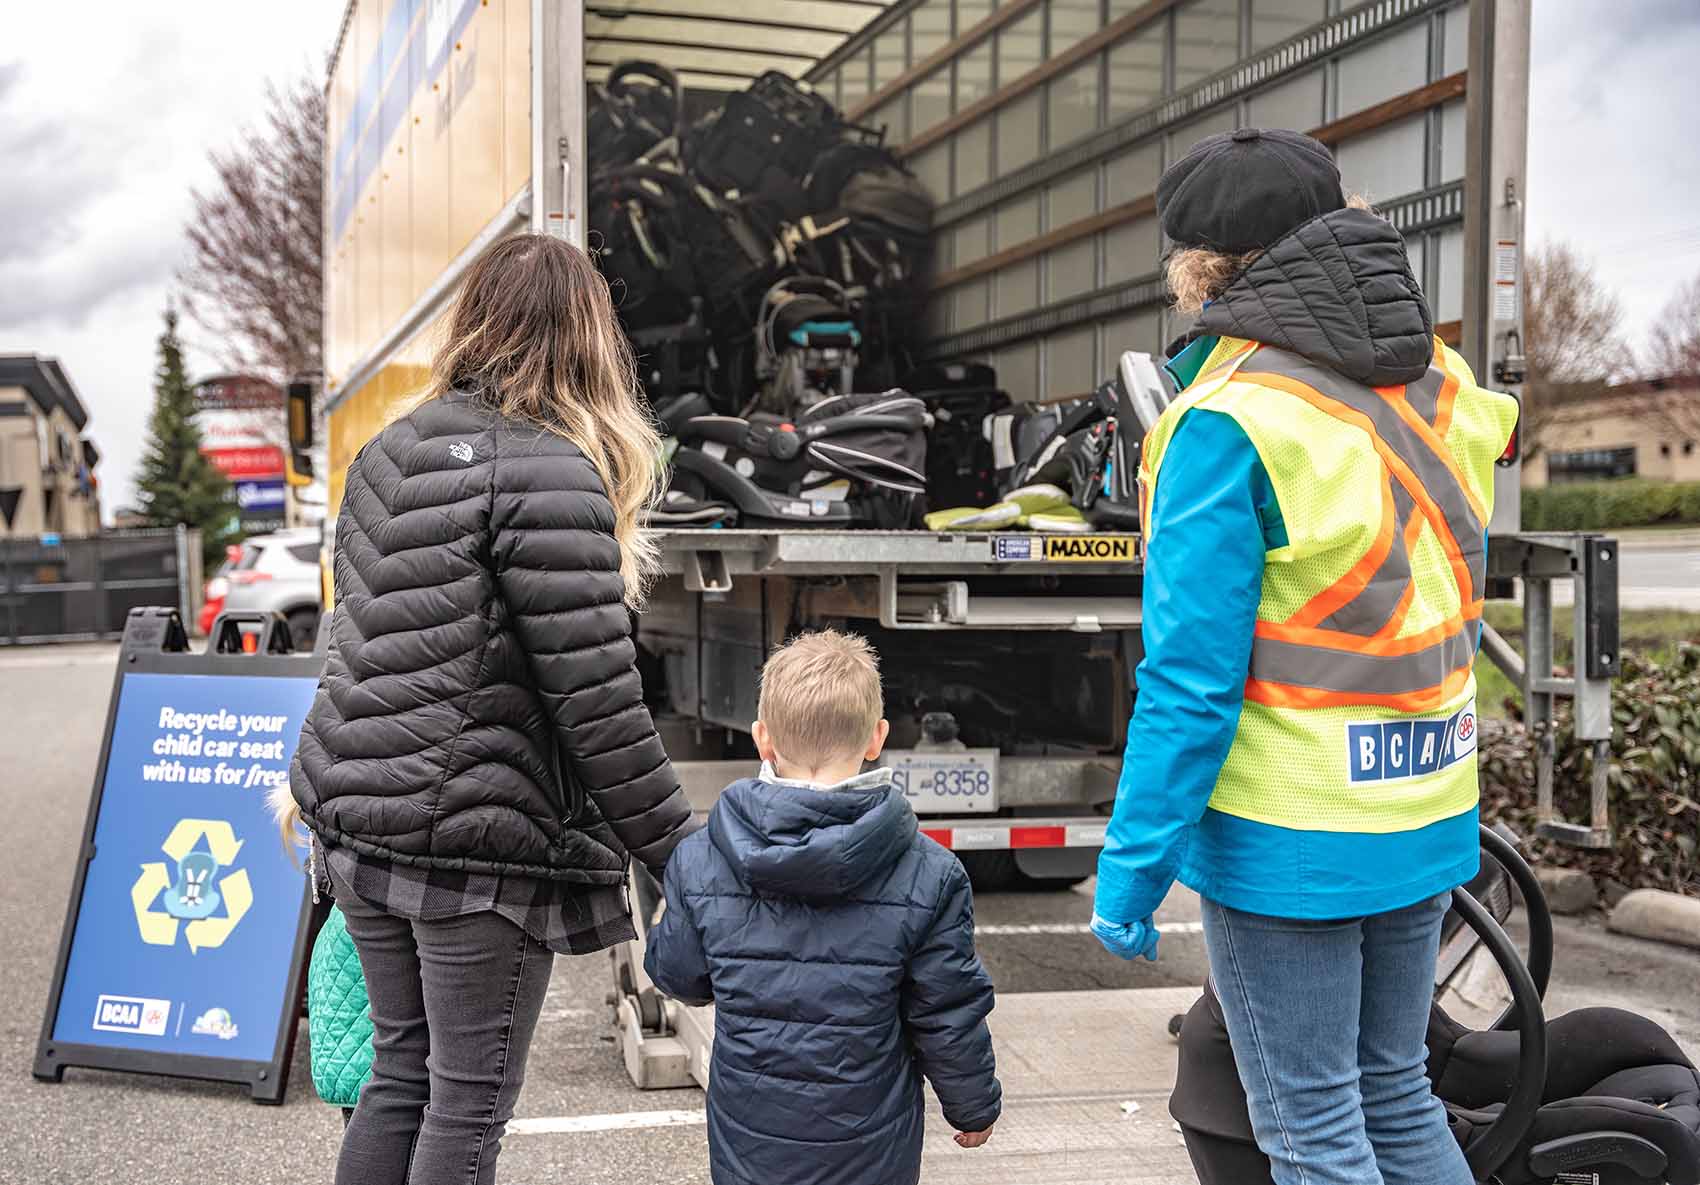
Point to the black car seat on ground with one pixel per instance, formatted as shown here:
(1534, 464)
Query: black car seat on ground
(1614, 1079)
(1619, 1101)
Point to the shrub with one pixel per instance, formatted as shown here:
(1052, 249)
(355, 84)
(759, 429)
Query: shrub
(1654, 778)
(1604, 505)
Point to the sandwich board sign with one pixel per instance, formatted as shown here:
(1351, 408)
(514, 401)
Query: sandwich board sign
(185, 939)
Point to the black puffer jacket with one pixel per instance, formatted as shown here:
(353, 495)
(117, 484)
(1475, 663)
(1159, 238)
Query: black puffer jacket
(1339, 291)
(480, 708)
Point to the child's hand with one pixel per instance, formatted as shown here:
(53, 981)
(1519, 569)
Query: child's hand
(974, 1139)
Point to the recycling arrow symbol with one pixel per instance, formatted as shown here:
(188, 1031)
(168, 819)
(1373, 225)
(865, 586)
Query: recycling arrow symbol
(159, 928)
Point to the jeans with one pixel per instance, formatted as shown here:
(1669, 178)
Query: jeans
(1327, 1021)
(454, 1002)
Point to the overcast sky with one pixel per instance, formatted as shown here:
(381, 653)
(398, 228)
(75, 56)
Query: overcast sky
(106, 121)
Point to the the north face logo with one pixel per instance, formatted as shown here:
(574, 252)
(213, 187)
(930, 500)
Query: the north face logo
(461, 451)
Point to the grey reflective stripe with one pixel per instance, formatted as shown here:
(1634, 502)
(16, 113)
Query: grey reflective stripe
(1424, 394)
(1430, 470)
(1373, 608)
(1305, 665)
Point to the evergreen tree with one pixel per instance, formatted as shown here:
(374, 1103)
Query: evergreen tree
(177, 484)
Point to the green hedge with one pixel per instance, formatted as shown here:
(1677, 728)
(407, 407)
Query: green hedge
(1604, 505)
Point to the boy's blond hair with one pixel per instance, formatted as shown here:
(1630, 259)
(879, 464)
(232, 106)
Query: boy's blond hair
(820, 697)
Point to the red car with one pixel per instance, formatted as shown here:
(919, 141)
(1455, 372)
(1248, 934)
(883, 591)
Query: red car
(218, 588)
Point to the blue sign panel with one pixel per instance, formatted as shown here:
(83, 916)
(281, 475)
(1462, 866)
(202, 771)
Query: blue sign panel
(184, 938)
(259, 497)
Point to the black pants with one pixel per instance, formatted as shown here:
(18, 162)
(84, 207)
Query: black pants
(454, 1003)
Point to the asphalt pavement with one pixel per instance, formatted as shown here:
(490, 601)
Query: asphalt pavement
(1656, 570)
(580, 1120)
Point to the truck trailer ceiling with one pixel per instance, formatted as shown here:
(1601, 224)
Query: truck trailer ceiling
(721, 44)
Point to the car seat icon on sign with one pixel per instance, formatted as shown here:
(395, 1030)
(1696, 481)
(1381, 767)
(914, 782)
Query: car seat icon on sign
(198, 890)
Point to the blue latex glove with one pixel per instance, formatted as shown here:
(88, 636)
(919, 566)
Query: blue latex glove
(1128, 940)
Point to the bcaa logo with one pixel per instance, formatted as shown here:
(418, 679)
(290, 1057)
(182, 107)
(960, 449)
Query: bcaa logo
(131, 1014)
(1466, 727)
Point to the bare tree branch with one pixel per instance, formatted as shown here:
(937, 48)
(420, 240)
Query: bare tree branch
(1674, 356)
(1575, 342)
(253, 277)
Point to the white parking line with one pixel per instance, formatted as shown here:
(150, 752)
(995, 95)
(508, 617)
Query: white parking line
(1078, 928)
(619, 1121)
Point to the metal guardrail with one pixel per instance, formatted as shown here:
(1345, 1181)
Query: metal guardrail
(82, 589)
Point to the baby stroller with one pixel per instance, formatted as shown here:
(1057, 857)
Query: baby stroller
(1599, 1096)
(846, 461)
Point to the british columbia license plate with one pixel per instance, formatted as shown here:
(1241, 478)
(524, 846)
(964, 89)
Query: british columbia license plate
(944, 782)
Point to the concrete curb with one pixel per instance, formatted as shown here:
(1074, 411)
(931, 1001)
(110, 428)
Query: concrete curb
(1568, 890)
(1661, 916)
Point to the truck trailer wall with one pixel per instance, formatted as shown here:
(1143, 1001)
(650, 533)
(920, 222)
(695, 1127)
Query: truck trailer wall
(427, 141)
(1043, 125)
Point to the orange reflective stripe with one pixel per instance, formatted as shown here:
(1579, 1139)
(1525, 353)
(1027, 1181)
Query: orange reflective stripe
(1286, 695)
(1346, 589)
(1384, 647)
(1448, 393)
(1395, 463)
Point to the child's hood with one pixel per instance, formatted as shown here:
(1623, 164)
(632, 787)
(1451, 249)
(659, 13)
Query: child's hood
(814, 844)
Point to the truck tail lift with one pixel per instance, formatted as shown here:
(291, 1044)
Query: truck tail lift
(1589, 562)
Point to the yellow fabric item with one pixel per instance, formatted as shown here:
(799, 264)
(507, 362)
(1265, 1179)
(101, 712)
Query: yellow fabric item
(1334, 754)
(1042, 507)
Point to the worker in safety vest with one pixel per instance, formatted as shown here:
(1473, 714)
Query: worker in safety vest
(1303, 751)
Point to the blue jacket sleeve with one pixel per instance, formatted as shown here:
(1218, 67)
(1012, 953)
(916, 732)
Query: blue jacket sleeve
(945, 1000)
(674, 957)
(1213, 519)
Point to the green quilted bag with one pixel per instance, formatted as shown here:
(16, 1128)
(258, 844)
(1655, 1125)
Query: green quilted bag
(339, 1022)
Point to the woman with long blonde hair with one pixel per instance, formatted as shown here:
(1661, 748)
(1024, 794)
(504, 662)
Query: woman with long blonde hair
(479, 763)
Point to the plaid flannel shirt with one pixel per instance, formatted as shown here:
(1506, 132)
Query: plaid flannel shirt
(569, 919)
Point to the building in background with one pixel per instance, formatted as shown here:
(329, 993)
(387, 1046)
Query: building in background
(243, 432)
(1648, 429)
(47, 467)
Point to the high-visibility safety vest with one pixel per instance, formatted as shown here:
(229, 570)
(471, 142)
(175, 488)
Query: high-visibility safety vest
(1359, 710)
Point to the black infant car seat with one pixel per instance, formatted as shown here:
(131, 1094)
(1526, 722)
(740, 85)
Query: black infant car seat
(1595, 1097)
(851, 460)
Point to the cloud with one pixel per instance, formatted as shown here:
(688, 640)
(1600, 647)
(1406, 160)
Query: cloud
(1610, 166)
(49, 180)
(103, 140)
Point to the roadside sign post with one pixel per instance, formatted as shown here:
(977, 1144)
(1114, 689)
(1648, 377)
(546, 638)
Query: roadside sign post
(185, 939)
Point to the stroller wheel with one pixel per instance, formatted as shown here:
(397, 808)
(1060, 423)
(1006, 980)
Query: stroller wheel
(1175, 1023)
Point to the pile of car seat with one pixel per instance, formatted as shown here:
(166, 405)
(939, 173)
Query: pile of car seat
(768, 261)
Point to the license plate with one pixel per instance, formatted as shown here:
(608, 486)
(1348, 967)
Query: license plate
(948, 783)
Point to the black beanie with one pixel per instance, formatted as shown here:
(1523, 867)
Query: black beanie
(1242, 191)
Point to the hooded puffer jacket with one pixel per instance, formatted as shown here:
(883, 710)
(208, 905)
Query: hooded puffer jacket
(837, 944)
(1339, 291)
(481, 707)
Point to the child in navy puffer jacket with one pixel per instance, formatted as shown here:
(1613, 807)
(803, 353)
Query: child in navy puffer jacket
(836, 942)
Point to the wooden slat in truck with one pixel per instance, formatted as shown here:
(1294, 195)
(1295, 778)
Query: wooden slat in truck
(1041, 127)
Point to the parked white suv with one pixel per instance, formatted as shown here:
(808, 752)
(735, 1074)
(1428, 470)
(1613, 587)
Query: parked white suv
(280, 571)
